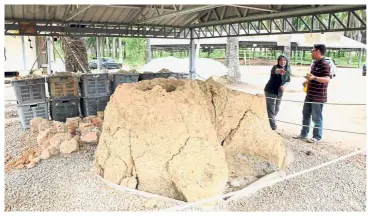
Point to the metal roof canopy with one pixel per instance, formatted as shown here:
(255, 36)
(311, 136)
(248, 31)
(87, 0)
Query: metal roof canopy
(176, 21)
(297, 41)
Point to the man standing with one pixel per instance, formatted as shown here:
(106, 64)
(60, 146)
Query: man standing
(316, 94)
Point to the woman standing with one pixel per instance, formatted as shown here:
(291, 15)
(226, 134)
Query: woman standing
(279, 79)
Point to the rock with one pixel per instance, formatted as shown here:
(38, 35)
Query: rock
(90, 138)
(181, 138)
(20, 166)
(72, 124)
(31, 165)
(35, 122)
(69, 146)
(44, 125)
(30, 157)
(100, 114)
(35, 160)
(77, 138)
(85, 127)
(45, 154)
(57, 139)
(88, 119)
(151, 203)
(59, 127)
(44, 137)
(74, 120)
(53, 150)
(96, 121)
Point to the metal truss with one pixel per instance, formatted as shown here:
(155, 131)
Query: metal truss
(291, 25)
(89, 29)
(267, 26)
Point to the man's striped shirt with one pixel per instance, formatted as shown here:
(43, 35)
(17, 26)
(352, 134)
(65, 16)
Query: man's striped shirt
(317, 92)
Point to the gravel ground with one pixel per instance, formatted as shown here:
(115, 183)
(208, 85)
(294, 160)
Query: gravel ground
(337, 187)
(64, 183)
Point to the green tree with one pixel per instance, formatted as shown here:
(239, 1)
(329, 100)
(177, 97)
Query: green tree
(135, 51)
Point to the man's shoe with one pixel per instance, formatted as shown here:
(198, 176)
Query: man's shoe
(314, 140)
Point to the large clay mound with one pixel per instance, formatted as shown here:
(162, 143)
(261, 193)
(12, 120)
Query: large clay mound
(185, 139)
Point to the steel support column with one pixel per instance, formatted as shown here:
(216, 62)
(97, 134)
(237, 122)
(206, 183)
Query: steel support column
(192, 55)
(48, 47)
(98, 52)
(360, 58)
(24, 54)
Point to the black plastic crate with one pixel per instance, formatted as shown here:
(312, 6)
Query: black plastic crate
(149, 76)
(28, 112)
(90, 106)
(118, 79)
(29, 91)
(60, 110)
(181, 75)
(95, 85)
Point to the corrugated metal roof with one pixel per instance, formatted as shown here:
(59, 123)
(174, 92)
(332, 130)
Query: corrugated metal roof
(169, 21)
(148, 14)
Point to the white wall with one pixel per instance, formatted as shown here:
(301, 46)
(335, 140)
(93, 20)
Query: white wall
(14, 53)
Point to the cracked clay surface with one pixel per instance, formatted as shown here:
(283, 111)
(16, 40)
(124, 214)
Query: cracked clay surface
(182, 138)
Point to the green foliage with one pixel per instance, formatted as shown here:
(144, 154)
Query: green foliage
(135, 51)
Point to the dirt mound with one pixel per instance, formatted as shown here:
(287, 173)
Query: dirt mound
(185, 139)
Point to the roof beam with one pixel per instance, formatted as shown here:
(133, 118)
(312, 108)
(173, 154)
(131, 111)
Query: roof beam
(66, 12)
(288, 13)
(132, 7)
(182, 12)
(78, 12)
(254, 8)
(136, 16)
(223, 13)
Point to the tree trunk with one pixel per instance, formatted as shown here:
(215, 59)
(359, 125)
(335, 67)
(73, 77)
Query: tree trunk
(233, 73)
(113, 48)
(75, 54)
(148, 50)
(120, 51)
(102, 44)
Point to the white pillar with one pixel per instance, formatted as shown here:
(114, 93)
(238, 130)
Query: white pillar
(24, 54)
(192, 56)
(98, 52)
(198, 49)
(48, 46)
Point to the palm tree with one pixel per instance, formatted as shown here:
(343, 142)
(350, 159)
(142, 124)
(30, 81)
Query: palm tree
(75, 54)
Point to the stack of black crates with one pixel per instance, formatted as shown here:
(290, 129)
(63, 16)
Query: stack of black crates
(31, 99)
(95, 93)
(64, 96)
